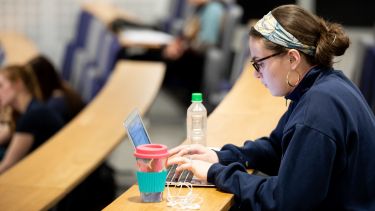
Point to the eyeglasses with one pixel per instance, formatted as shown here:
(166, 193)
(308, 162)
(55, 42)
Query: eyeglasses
(255, 63)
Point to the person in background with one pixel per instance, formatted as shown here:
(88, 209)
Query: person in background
(201, 30)
(7, 126)
(185, 55)
(35, 122)
(56, 93)
(319, 156)
(98, 189)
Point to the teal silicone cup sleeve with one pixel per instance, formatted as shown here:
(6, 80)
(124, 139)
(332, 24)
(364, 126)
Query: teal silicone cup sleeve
(151, 182)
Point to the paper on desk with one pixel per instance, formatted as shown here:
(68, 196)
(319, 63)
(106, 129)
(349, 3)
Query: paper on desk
(146, 36)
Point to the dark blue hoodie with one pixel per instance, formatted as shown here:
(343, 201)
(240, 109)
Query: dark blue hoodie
(321, 155)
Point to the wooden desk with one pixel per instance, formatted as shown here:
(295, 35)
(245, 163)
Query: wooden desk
(18, 48)
(247, 112)
(130, 200)
(46, 175)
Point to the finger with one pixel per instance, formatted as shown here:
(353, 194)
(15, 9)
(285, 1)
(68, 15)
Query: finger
(172, 161)
(196, 149)
(175, 150)
(185, 166)
(177, 160)
(184, 151)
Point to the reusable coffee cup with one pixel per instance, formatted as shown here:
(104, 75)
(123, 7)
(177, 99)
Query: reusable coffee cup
(152, 171)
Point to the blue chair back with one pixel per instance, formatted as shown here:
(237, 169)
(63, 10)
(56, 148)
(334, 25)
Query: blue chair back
(78, 41)
(91, 54)
(98, 74)
(109, 64)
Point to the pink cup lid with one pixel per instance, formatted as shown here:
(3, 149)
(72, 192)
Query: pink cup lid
(150, 151)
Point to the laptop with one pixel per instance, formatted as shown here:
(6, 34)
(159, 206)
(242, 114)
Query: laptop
(138, 135)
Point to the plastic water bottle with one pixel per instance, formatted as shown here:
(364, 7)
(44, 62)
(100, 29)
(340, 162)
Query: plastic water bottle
(196, 120)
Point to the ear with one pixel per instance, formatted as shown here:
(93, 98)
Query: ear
(294, 58)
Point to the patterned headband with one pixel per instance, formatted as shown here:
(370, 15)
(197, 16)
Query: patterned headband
(274, 32)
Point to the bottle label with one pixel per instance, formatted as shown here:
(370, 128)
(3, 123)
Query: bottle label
(197, 122)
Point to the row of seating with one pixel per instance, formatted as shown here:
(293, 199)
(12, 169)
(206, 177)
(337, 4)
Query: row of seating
(90, 56)
(219, 71)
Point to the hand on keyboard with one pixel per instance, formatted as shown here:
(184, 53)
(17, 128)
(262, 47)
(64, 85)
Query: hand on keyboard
(198, 167)
(194, 152)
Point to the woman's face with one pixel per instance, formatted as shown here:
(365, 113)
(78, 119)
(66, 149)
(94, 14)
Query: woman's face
(272, 71)
(7, 91)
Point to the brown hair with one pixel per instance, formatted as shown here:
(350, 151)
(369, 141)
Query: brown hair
(17, 72)
(329, 38)
(49, 81)
(8, 116)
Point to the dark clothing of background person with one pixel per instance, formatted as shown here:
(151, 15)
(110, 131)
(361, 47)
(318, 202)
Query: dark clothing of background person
(56, 93)
(40, 121)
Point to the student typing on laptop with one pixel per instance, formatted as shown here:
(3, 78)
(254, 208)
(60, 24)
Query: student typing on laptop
(319, 155)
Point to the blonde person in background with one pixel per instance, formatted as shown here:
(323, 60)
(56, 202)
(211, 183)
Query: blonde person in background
(320, 155)
(35, 122)
(7, 126)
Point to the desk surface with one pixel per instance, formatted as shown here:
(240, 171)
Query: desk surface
(18, 48)
(55, 168)
(247, 112)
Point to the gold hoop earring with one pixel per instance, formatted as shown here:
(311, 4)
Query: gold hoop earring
(295, 84)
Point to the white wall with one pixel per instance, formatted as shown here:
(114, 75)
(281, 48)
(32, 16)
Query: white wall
(50, 23)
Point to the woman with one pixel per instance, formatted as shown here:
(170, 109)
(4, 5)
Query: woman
(56, 93)
(319, 155)
(35, 122)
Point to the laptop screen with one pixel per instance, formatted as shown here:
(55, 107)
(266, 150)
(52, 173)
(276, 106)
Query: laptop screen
(136, 129)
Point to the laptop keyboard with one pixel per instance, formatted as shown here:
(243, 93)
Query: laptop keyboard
(184, 176)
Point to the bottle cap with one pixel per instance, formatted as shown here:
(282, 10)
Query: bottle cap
(196, 97)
